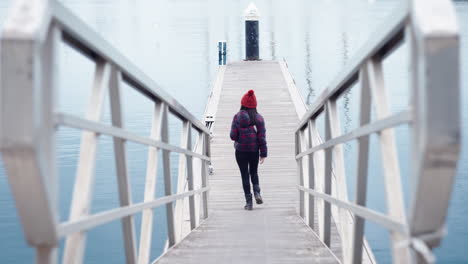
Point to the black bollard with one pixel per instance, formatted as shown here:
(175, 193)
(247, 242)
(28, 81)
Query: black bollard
(224, 53)
(251, 33)
(221, 52)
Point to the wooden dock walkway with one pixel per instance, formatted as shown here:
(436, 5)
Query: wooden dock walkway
(272, 232)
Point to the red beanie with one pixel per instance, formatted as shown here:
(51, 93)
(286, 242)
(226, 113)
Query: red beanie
(249, 100)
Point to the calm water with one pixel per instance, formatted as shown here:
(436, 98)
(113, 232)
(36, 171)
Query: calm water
(174, 42)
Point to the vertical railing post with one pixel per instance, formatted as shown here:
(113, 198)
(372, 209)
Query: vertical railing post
(123, 178)
(362, 166)
(389, 157)
(205, 138)
(193, 220)
(340, 180)
(328, 179)
(46, 254)
(311, 127)
(82, 193)
(47, 141)
(181, 184)
(319, 173)
(150, 185)
(300, 173)
(437, 130)
(27, 138)
(184, 180)
(167, 177)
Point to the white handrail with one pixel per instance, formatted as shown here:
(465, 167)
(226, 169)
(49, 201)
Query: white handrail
(31, 35)
(431, 30)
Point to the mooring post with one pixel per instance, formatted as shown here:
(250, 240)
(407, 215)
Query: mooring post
(251, 33)
(222, 52)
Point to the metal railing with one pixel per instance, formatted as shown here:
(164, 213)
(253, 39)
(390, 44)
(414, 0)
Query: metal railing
(430, 28)
(30, 39)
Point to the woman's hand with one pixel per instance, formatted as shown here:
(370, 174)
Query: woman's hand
(262, 159)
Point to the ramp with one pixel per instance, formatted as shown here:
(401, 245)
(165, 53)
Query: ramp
(272, 232)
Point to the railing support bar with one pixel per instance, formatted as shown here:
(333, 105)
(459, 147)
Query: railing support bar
(311, 218)
(167, 178)
(340, 180)
(327, 180)
(46, 255)
(189, 160)
(435, 50)
(389, 156)
(362, 167)
(183, 180)
(181, 185)
(120, 153)
(205, 138)
(27, 138)
(300, 172)
(150, 185)
(82, 194)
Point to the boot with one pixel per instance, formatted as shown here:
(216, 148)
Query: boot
(248, 202)
(258, 197)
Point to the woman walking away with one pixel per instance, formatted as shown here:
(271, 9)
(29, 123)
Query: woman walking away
(249, 133)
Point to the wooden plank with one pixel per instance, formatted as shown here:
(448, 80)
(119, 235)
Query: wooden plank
(123, 180)
(272, 232)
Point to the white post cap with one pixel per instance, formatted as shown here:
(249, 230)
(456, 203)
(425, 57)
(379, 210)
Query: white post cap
(251, 12)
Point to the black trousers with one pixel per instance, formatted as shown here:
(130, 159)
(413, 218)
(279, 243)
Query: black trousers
(248, 166)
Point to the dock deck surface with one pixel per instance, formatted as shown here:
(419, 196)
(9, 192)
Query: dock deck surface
(272, 232)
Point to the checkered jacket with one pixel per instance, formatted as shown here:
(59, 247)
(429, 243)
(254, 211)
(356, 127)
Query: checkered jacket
(246, 137)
